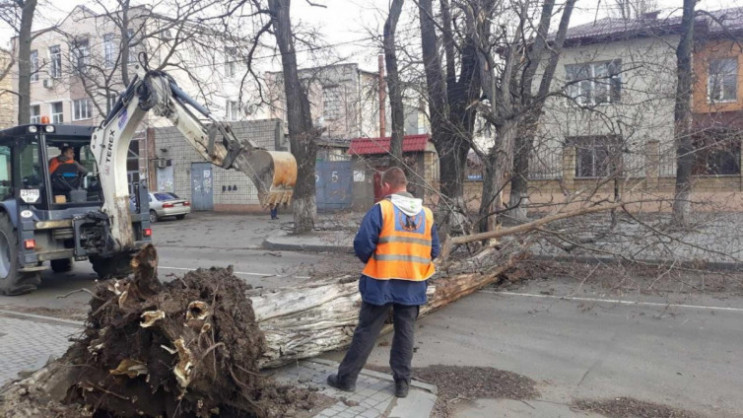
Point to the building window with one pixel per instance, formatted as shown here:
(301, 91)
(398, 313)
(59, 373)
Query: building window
(230, 61)
(109, 50)
(594, 83)
(131, 43)
(82, 109)
(34, 61)
(55, 59)
(56, 111)
(723, 80)
(596, 156)
(331, 102)
(35, 114)
(81, 54)
(111, 101)
(233, 110)
(717, 153)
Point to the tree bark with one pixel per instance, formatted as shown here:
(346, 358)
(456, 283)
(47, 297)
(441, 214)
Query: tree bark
(124, 30)
(397, 110)
(302, 135)
(24, 62)
(682, 118)
(500, 158)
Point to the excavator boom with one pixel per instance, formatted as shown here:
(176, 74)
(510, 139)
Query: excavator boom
(274, 173)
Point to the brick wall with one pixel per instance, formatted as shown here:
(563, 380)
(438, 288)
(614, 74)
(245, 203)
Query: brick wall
(233, 191)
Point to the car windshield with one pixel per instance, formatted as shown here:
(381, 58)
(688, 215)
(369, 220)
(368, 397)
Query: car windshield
(162, 196)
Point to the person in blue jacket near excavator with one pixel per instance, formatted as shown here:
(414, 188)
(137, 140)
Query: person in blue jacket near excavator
(397, 240)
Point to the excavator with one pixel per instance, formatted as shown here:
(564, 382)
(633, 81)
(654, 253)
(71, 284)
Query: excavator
(86, 208)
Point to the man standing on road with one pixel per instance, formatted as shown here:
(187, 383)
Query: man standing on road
(398, 242)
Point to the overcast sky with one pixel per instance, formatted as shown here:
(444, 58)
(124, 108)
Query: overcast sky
(350, 23)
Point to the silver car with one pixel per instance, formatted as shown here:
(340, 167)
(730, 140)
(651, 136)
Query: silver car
(168, 204)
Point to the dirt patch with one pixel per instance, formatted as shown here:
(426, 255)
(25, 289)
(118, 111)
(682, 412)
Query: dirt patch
(462, 383)
(631, 408)
(186, 348)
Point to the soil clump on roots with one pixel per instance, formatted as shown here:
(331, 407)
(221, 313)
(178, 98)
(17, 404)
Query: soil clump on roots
(186, 348)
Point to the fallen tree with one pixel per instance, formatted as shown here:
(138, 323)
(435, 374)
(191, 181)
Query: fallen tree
(195, 346)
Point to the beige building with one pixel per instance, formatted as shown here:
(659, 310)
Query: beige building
(8, 106)
(344, 100)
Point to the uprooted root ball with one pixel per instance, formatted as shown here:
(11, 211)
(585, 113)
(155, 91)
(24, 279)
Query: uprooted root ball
(189, 347)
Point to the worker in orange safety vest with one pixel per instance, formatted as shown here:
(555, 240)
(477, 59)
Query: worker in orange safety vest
(398, 241)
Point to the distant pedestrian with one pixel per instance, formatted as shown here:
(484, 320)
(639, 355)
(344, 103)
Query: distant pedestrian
(275, 211)
(397, 240)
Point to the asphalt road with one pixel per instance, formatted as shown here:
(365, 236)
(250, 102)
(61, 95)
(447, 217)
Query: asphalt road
(679, 350)
(200, 240)
(576, 341)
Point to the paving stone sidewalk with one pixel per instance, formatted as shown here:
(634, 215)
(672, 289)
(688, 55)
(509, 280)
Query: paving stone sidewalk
(28, 341)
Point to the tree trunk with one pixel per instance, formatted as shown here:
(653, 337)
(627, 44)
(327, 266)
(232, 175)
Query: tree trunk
(518, 200)
(682, 118)
(124, 41)
(497, 174)
(302, 135)
(24, 62)
(397, 110)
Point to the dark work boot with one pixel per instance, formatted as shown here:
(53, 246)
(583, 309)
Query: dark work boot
(401, 388)
(333, 382)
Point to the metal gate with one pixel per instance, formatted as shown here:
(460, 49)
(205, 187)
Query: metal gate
(333, 185)
(202, 190)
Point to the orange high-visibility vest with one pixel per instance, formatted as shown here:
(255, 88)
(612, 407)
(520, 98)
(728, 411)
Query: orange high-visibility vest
(404, 247)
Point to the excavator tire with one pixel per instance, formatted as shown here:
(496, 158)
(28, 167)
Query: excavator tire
(112, 267)
(12, 281)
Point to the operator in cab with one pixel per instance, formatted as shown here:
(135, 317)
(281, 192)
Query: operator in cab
(66, 157)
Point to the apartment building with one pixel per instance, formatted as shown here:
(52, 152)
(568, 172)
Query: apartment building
(7, 98)
(344, 100)
(609, 126)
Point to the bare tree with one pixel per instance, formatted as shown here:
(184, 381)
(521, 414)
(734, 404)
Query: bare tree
(508, 82)
(450, 98)
(19, 14)
(393, 82)
(302, 135)
(683, 118)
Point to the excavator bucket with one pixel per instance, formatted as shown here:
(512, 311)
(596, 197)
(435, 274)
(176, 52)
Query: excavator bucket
(274, 173)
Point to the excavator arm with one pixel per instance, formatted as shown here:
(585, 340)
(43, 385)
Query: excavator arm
(273, 173)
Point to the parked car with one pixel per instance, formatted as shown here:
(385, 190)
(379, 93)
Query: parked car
(168, 204)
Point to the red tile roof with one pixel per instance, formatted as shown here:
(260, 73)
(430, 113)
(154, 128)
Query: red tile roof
(365, 146)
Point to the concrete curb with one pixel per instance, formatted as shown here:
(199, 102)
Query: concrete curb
(277, 242)
(41, 318)
(709, 265)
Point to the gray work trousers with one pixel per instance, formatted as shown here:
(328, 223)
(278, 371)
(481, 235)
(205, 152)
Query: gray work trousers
(371, 320)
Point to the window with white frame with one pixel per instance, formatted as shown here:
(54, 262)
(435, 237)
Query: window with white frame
(230, 58)
(81, 54)
(131, 45)
(55, 61)
(723, 80)
(110, 51)
(82, 109)
(233, 110)
(35, 114)
(331, 102)
(594, 83)
(56, 110)
(34, 61)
